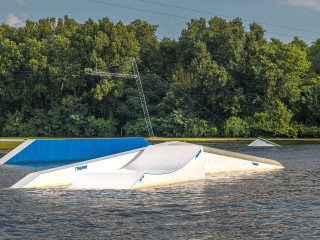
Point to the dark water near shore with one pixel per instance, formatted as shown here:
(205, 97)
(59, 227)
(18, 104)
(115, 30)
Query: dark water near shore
(282, 204)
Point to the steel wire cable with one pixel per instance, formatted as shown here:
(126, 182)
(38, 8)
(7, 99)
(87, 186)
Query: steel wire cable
(225, 16)
(188, 18)
(186, 95)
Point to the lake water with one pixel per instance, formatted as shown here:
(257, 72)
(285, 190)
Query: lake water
(282, 204)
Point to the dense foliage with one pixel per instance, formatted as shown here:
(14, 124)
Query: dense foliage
(217, 79)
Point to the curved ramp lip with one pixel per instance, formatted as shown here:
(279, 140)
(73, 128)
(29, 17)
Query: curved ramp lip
(171, 171)
(31, 176)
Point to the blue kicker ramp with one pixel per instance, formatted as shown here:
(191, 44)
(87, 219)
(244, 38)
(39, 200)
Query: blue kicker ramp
(54, 150)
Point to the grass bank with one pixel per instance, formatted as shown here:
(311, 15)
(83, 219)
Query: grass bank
(4, 145)
(11, 144)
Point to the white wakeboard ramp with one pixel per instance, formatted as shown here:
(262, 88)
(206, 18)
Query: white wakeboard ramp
(260, 142)
(155, 165)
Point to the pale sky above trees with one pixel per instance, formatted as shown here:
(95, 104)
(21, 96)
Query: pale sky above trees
(296, 15)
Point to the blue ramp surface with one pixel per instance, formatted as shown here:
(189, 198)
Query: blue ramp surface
(52, 150)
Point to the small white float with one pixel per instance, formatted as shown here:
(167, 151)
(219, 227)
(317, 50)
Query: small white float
(260, 142)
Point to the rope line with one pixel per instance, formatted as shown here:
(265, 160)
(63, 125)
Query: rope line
(189, 18)
(186, 95)
(225, 16)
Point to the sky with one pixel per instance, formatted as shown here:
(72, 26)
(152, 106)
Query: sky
(282, 19)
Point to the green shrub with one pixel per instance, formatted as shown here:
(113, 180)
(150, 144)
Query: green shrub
(307, 131)
(236, 127)
(136, 129)
(11, 127)
(100, 127)
(276, 121)
(176, 124)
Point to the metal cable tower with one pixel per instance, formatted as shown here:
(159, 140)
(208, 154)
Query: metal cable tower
(142, 99)
(89, 71)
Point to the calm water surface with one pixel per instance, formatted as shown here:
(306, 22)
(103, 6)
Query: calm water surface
(282, 204)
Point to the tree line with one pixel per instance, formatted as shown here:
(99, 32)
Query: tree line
(215, 80)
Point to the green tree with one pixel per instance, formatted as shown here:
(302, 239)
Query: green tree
(278, 73)
(236, 127)
(309, 104)
(145, 34)
(314, 56)
(225, 41)
(275, 121)
(11, 89)
(214, 67)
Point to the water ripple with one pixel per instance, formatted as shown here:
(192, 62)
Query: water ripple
(282, 204)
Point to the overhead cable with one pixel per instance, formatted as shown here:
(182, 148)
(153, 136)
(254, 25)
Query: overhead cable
(181, 17)
(138, 9)
(186, 95)
(225, 16)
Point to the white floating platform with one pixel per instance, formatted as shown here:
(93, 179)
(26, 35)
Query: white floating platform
(260, 142)
(155, 165)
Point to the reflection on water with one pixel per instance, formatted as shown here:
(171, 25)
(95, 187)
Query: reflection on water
(282, 204)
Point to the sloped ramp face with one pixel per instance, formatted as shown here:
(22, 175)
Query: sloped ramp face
(260, 142)
(157, 165)
(62, 150)
(12, 155)
(66, 175)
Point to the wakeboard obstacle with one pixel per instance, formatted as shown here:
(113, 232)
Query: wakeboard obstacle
(138, 165)
(260, 142)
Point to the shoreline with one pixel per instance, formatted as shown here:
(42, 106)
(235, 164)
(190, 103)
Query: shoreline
(236, 140)
(11, 143)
